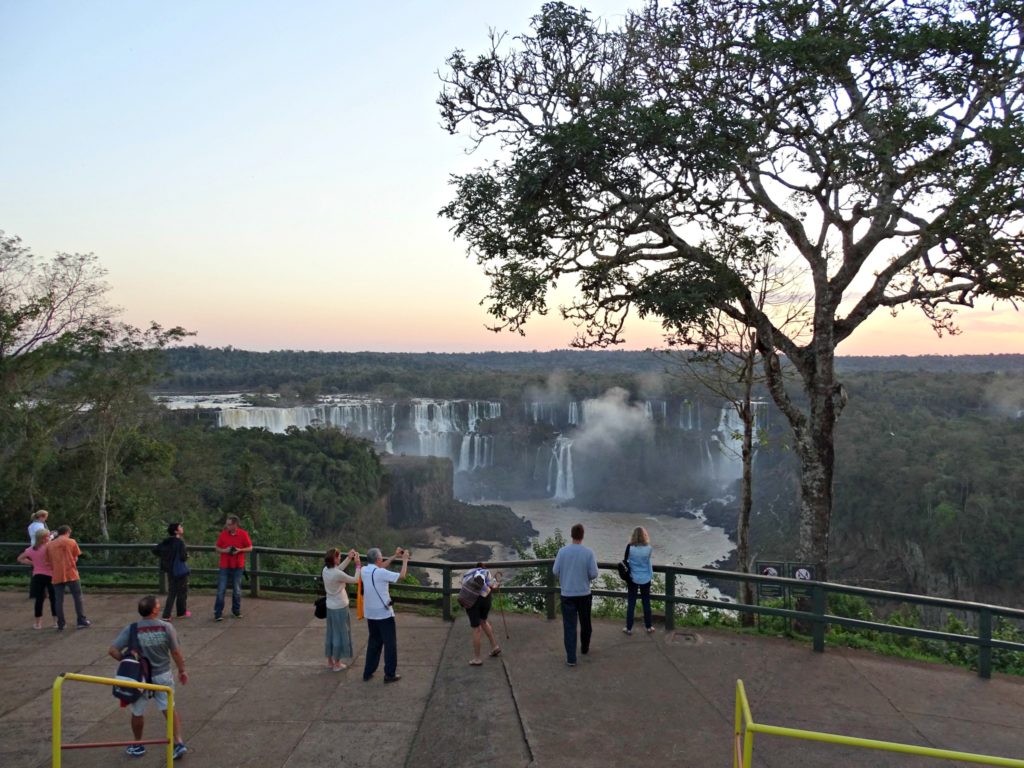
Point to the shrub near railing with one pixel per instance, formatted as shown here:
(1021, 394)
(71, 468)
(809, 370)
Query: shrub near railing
(996, 637)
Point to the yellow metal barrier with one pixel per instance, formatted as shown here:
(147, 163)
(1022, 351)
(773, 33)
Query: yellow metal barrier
(746, 728)
(58, 686)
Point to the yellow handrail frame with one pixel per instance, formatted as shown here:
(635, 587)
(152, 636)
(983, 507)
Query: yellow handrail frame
(743, 747)
(58, 686)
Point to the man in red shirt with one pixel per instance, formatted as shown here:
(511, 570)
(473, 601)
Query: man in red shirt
(232, 544)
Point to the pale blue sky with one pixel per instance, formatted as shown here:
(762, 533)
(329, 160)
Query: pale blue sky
(267, 174)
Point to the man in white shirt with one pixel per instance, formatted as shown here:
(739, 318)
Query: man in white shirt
(379, 612)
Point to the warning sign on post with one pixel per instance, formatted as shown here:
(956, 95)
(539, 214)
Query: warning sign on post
(803, 572)
(770, 568)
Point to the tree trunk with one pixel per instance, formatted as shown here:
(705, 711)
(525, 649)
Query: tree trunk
(816, 449)
(105, 473)
(814, 434)
(747, 493)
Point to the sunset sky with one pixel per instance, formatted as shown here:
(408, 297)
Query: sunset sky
(269, 174)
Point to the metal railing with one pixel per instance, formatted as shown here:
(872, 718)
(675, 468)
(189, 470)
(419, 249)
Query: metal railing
(743, 747)
(57, 743)
(137, 563)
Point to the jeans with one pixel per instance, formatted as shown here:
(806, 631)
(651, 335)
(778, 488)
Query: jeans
(574, 608)
(235, 574)
(383, 636)
(645, 600)
(75, 588)
(177, 595)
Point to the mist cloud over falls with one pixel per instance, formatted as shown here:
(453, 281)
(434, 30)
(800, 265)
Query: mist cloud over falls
(611, 421)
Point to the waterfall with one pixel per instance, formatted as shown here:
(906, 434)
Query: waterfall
(475, 451)
(730, 439)
(655, 410)
(560, 474)
(483, 453)
(367, 418)
(574, 413)
(689, 415)
(434, 422)
(441, 426)
(389, 436)
(540, 412)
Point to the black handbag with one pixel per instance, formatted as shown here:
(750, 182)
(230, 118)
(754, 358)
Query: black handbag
(320, 604)
(623, 567)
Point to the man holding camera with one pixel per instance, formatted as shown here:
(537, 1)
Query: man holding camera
(379, 612)
(232, 544)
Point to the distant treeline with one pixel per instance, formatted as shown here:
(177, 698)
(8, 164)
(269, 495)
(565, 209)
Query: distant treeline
(434, 374)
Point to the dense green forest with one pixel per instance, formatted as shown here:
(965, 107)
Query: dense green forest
(929, 486)
(930, 483)
(285, 487)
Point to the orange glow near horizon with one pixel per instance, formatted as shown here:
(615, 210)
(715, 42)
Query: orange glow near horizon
(411, 326)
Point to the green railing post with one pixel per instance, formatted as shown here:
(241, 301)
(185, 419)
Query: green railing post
(549, 596)
(254, 573)
(985, 649)
(670, 600)
(446, 592)
(818, 606)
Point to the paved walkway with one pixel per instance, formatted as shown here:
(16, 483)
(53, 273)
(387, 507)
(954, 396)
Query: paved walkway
(259, 697)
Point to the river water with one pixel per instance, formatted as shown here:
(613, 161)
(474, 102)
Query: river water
(675, 540)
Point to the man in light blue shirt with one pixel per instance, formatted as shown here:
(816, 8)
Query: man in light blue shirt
(575, 566)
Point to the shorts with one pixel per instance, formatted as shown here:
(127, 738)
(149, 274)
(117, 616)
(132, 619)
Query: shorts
(479, 611)
(160, 697)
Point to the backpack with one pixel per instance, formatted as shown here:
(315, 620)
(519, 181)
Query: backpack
(134, 668)
(623, 567)
(470, 591)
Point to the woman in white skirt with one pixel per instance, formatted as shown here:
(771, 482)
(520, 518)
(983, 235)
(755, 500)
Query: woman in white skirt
(338, 643)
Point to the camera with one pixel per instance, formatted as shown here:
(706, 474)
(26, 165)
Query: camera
(232, 550)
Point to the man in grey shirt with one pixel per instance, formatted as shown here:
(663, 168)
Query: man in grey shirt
(575, 566)
(158, 642)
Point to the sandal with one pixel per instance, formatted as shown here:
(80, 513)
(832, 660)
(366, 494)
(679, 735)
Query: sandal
(476, 663)
(496, 651)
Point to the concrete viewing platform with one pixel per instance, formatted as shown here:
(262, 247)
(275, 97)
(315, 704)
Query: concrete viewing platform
(260, 696)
